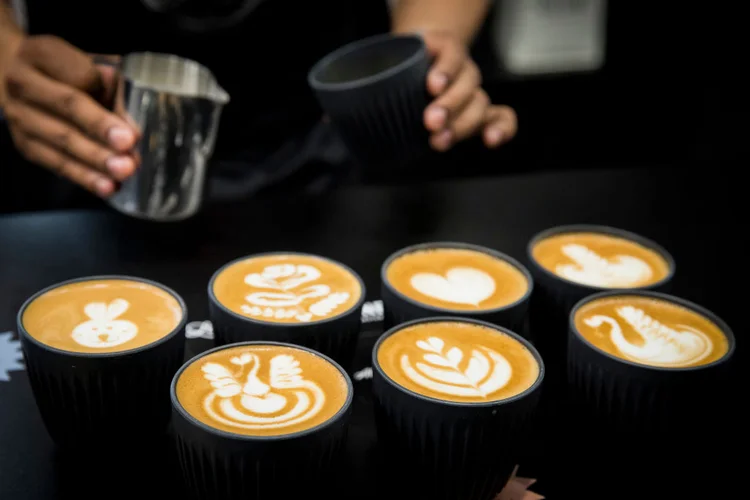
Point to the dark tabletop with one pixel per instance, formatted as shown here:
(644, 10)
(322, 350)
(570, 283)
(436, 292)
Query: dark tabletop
(694, 215)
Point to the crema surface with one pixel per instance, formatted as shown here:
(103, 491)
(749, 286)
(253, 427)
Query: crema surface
(102, 316)
(283, 288)
(262, 390)
(651, 331)
(600, 260)
(455, 361)
(457, 279)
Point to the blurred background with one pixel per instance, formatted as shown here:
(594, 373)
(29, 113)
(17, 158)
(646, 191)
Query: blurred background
(596, 84)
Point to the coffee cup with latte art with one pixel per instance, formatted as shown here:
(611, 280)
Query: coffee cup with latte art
(100, 354)
(571, 262)
(453, 399)
(648, 371)
(260, 420)
(288, 297)
(455, 279)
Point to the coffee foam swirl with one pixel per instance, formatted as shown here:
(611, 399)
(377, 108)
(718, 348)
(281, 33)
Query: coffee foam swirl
(590, 268)
(637, 331)
(261, 390)
(486, 372)
(241, 399)
(287, 288)
(457, 361)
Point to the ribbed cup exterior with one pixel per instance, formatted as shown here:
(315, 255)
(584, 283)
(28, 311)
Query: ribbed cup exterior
(654, 417)
(379, 117)
(398, 308)
(218, 465)
(335, 337)
(440, 450)
(103, 401)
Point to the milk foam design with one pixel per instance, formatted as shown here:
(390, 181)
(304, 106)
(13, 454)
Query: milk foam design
(285, 300)
(247, 402)
(103, 329)
(460, 285)
(592, 269)
(486, 372)
(662, 345)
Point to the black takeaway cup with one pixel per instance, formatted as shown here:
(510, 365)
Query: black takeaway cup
(375, 92)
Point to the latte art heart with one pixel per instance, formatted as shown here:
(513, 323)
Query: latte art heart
(460, 285)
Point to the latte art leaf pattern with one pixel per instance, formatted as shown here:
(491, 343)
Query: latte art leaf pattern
(452, 372)
(287, 293)
(589, 268)
(661, 345)
(243, 398)
(103, 329)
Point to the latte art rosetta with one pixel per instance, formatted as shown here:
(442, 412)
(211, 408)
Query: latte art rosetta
(245, 399)
(440, 369)
(590, 268)
(661, 345)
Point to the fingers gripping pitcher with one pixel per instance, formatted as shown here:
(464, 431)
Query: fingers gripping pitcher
(175, 104)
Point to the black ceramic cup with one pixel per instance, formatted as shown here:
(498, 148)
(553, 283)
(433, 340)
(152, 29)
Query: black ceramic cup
(336, 336)
(104, 401)
(554, 297)
(220, 465)
(664, 423)
(438, 449)
(375, 92)
(398, 308)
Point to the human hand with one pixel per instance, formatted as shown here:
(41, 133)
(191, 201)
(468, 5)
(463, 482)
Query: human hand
(55, 112)
(461, 107)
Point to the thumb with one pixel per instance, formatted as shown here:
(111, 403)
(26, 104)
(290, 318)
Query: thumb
(107, 66)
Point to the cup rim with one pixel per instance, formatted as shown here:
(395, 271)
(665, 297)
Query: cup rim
(102, 355)
(226, 310)
(177, 406)
(459, 404)
(345, 50)
(455, 245)
(607, 231)
(710, 315)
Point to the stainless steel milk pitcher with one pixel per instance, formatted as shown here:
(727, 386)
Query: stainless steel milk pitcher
(176, 104)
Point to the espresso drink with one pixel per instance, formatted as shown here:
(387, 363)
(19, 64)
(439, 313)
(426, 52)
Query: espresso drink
(262, 390)
(648, 377)
(600, 260)
(651, 331)
(287, 288)
(454, 399)
(457, 279)
(100, 353)
(268, 419)
(102, 316)
(462, 362)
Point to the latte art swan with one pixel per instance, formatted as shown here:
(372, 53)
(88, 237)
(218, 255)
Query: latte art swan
(590, 268)
(661, 345)
(241, 399)
(486, 372)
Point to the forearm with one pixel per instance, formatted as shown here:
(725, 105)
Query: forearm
(10, 37)
(461, 18)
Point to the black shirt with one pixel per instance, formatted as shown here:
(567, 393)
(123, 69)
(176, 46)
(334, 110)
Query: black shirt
(262, 62)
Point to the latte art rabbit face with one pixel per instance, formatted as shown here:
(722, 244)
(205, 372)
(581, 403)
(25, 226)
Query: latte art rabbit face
(104, 329)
